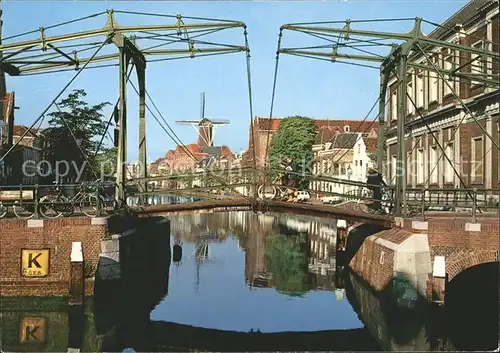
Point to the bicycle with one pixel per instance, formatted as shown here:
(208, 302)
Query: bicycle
(3, 210)
(64, 206)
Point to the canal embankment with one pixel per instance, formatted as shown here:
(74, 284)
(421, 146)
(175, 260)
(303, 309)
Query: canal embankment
(417, 258)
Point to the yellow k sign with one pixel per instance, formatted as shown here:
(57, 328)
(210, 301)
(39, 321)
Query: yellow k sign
(35, 263)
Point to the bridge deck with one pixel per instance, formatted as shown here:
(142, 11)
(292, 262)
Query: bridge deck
(350, 211)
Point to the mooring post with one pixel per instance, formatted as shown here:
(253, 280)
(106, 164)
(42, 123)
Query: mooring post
(76, 280)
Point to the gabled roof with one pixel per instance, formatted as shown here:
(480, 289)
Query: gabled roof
(20, 130)
(345, 140)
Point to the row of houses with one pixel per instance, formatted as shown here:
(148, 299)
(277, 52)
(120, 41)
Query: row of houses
(342, 149)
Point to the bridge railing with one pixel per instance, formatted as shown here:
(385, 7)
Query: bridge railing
(418, 200)
(56, 200)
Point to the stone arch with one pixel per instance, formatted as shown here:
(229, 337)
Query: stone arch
(470, 311)
(474, 258)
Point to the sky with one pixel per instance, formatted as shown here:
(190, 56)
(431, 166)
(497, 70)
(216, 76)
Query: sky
(306, 87)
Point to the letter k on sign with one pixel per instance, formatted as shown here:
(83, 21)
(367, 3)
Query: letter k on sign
(35, 263)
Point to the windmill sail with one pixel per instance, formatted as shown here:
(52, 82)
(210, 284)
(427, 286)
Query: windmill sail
(202, 107)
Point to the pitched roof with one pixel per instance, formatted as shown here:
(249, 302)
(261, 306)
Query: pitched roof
(263, 123)
(345, 140)
(20, 130)
(463, 15)
(370, 143)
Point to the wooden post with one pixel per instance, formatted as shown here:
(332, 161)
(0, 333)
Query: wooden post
(77, 279)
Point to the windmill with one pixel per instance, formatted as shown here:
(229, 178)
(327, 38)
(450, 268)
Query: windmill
(205, 127)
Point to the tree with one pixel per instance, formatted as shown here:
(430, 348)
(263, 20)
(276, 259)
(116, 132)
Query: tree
(72, 137)
(288, 262)
(294, 138)
(105, 161)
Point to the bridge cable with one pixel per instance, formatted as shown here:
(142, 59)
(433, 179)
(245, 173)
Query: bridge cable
(250, 102)
(173, 136)
(112, 115)
(270, 121)
(443, 154)
(55, 98)
(457, 96)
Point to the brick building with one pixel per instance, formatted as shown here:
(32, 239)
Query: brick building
(264, 127)
(179, 160)
(6, 129)
(23, 161)
(472, 153)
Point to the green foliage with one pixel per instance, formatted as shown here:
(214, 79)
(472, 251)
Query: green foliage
(287, 261)
(86, 123)
(294, 138)
(105, 161)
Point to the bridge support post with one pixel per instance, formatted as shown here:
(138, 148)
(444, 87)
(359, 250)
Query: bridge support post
(400, 196)
(384, 78)
(122, 132)
(128, 51)
(141, 77)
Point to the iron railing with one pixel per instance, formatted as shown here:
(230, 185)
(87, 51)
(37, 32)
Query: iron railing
(53, 201)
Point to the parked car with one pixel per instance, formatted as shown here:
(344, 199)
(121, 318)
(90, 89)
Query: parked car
(303, 196)
(331, 199)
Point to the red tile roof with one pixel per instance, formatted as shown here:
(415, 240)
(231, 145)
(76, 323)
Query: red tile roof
(20, 130)
(263, 123)
(371, 144)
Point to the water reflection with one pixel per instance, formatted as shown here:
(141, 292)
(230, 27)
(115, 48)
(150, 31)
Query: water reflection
(161, 199)
(240, 281)
(46, 324)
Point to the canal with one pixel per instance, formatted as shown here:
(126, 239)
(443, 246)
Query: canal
(246, 281)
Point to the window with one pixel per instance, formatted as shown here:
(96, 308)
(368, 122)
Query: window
(449, 173)
(347, 128)
(420, 89)
(420, 166)
(409, 168)
(360, 162)
(477, 160)
(448, 65)
(393, 169)
(477, 66)
(410, 109)
(433, 168)
(394, 105)
(359, 148)
(433, 83)
(356, 162)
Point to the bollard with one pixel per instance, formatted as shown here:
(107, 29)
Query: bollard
(76, 280)
(474, 206)
(98, 202)
(35, 200)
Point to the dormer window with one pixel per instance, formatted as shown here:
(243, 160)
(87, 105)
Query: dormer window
(347, 128)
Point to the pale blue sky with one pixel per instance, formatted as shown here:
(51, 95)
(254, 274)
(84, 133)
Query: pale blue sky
(305, 86)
